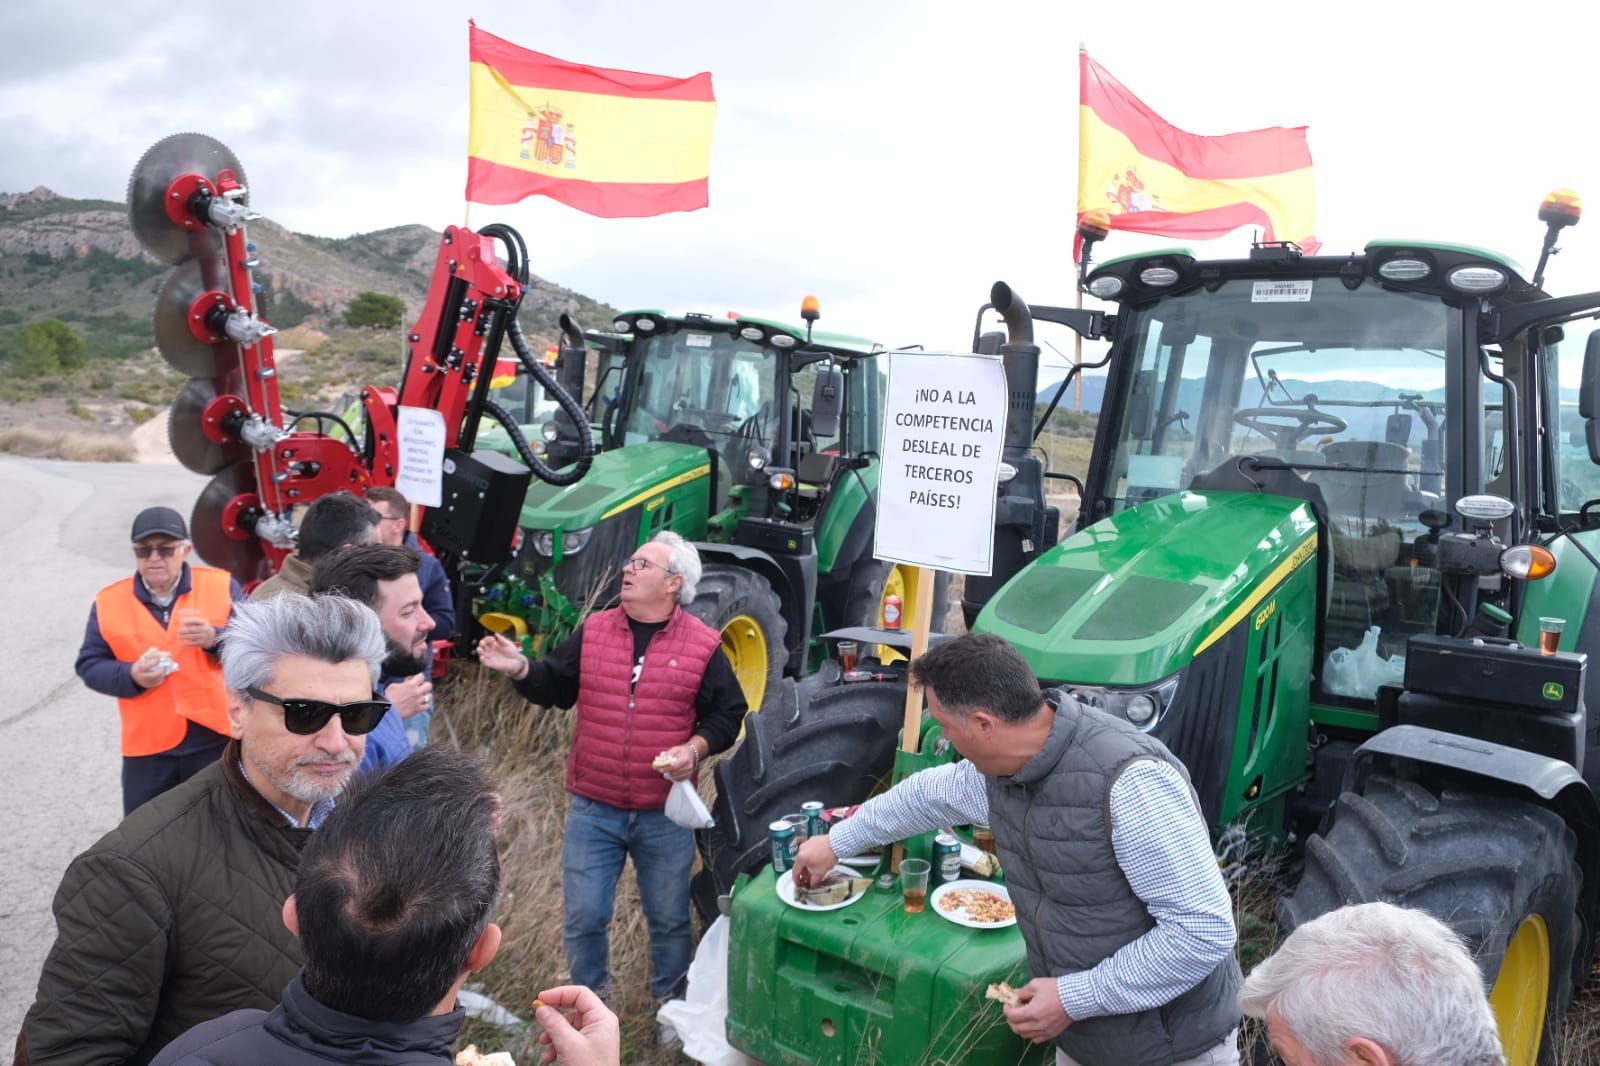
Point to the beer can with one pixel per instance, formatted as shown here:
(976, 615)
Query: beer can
(891, 611)
(784, 846)
(815, 826)
(946, 859)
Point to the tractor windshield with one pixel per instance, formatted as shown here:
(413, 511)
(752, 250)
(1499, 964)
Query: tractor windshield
(1345, 387)
(712, 384)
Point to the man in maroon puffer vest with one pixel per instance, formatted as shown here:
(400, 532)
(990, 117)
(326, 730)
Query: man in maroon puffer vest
(649, 680)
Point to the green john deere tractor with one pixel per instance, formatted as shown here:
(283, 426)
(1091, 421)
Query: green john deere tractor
(1326, 511)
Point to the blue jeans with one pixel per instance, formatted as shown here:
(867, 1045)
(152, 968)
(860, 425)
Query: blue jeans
(599, 839)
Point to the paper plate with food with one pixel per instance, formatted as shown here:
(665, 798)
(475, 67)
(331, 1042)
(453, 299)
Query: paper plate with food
(974, 904)
(840, 888)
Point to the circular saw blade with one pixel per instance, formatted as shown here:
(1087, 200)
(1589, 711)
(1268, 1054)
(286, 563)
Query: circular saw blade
(178, 345)
(235, 549)
(163, 163)
(188, 434)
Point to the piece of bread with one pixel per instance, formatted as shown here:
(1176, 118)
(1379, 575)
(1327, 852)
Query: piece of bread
(662, 763)
(471, 1056)
(1002, 993)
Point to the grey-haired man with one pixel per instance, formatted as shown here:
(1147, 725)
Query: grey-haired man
(172, 918)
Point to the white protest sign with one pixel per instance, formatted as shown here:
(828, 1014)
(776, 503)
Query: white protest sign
(943, 427)
(421, 445)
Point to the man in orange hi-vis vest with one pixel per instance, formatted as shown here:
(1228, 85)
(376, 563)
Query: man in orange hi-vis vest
(152, 642)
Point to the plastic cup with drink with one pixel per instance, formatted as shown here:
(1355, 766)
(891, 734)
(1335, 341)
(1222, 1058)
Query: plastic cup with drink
(914, 884)
(1550, 635)
(849, 654)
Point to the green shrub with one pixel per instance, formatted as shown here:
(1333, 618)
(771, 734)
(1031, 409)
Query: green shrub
(375, 310)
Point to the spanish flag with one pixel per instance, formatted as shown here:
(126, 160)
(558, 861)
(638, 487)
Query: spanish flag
(610, 142)
(1151, 177)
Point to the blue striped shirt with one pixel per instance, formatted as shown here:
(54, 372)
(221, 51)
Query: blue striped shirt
(1161, 843)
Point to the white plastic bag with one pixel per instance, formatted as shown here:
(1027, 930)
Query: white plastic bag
(700, 1018)
(1360, 670)
(685, 807)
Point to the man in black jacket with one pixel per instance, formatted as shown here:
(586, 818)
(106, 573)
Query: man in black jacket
(172, 918)
(393, 906)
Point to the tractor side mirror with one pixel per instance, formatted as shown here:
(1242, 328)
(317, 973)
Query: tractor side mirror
(1589, 395)
(827, 401)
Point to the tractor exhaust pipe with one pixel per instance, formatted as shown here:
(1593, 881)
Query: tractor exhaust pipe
(1021, 358)
(1024, 527)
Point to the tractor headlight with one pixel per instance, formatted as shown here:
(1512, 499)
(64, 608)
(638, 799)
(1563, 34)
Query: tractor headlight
(1143, 708)
(1106, 287)
(1404, 268)
(549, 431)
(751, 333)
(572, 541)
(757, 458)
(1158, 277)
(1527, 562)
(1476, 279)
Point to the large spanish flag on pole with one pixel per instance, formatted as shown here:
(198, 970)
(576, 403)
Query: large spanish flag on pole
(610, 142)
(1152, 177)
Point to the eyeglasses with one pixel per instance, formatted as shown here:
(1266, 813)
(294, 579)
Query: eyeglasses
(391, 517)
(639, 564)
(166, 551)
(307, 717)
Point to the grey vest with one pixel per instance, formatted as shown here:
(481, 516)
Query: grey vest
(1052, 828)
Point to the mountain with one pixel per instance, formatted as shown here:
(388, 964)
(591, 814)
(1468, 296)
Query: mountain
(77, 260)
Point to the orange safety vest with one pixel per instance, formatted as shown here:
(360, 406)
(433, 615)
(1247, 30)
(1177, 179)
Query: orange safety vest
(156, 720)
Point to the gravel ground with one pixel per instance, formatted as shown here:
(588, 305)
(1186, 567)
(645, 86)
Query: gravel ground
(64, 527)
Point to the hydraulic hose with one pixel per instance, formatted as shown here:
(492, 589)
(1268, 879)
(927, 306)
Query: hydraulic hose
(517, 267)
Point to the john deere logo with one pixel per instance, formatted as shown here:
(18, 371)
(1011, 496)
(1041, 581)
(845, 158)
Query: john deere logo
(1553, 690)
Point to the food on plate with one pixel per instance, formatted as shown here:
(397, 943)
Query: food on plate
(1001, 992)
(837, 887)
(978, 905)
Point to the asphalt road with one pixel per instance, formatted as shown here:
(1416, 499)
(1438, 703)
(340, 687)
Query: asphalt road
(64, 533)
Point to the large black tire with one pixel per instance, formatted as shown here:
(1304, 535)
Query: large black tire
(741, 605)
(824, 741)
(1482, 864)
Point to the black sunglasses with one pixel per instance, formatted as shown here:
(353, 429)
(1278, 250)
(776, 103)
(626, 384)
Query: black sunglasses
(307, 717)
(166, 551)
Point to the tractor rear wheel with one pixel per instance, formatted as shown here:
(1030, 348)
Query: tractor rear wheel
(741, 606)
(1501, 872)
(823, 741)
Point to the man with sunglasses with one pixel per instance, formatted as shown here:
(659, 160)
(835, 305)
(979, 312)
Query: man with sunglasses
(151, 642)
(174, 917)
(649, 680)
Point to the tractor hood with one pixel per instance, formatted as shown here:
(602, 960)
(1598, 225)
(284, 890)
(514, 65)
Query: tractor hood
(1133, 598)
(618, 480)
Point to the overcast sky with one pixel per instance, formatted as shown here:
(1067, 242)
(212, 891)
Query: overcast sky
(893, 158)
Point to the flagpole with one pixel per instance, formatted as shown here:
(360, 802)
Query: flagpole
(1077, 287)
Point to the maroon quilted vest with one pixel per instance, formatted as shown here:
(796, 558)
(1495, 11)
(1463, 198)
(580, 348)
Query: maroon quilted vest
(620, 732)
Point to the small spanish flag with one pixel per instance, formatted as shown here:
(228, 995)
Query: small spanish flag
(1152, 177)
(612, 143)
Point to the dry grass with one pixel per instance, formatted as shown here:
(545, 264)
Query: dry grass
(66, 444)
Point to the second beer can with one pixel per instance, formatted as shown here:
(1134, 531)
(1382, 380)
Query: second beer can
(784, 846)
(946, 858)
(815, 826)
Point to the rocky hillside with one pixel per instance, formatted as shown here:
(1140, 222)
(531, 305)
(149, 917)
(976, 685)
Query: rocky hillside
(78, 261)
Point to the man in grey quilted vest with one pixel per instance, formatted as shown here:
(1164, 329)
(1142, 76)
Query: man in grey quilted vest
(1128, 925)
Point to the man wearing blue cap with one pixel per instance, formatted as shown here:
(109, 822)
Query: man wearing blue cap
(152, 642)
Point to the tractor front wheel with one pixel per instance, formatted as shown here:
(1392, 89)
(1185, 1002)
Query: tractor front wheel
(1501, 872)
(824, 741)
(741, 606)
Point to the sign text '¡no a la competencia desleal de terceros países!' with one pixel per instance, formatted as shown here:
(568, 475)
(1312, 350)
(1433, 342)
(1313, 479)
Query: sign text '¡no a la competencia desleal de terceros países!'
(941, 423)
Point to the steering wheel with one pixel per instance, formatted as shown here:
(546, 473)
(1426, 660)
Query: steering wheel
(1301, 424)
(717, 421)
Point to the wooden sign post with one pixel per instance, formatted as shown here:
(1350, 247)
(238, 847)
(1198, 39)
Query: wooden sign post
(911, 737)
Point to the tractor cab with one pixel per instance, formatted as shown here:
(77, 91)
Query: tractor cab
(756, 439)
